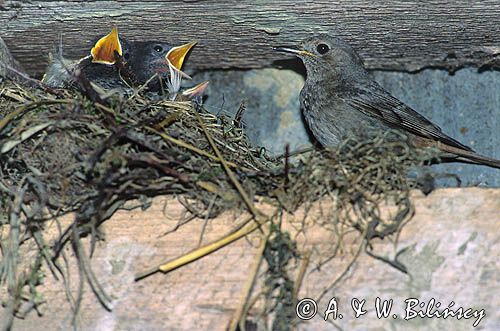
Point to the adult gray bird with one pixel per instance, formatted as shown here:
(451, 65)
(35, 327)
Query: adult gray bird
(340, 100)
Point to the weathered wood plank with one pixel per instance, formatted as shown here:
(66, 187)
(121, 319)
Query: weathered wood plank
(452, 246)
(397, 34)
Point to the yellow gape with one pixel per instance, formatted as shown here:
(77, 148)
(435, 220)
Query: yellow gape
(104, 49)
(177, 54)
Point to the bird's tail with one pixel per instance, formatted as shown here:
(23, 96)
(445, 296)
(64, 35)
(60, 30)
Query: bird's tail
(470, 156)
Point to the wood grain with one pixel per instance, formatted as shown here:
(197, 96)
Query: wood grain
(397, 34)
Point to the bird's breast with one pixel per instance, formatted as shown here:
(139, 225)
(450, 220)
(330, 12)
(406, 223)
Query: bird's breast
(319, 117)
(331, 119)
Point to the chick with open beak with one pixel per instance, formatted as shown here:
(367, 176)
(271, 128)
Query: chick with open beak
(137, 61)
(118, 62)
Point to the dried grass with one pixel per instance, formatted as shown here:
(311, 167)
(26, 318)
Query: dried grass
(64, 151)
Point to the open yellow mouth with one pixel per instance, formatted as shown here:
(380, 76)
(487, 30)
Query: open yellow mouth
(105, 48)
(177, 54)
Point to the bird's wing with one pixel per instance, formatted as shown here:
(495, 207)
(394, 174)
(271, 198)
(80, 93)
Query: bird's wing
(374, 101)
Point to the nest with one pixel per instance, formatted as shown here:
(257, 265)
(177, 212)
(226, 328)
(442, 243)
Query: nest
(65, 151)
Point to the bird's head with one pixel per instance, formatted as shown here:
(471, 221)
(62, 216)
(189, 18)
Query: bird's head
(148, 58)
(324, 56)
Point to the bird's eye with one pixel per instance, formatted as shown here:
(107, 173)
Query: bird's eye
(322, 49)
(158, 48)
(126, 56)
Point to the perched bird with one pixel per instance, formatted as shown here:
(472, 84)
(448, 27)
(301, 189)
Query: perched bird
(117, 62)
(341, 100)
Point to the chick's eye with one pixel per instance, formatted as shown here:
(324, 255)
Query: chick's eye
(158, 48)
(322, 49)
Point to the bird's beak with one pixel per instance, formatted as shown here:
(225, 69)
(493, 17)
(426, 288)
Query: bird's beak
(105, 48)
(196, 91)
(177, 54)
(291, 50)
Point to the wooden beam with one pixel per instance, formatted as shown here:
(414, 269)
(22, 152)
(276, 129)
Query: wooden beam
(393, 35)
(448, 247)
